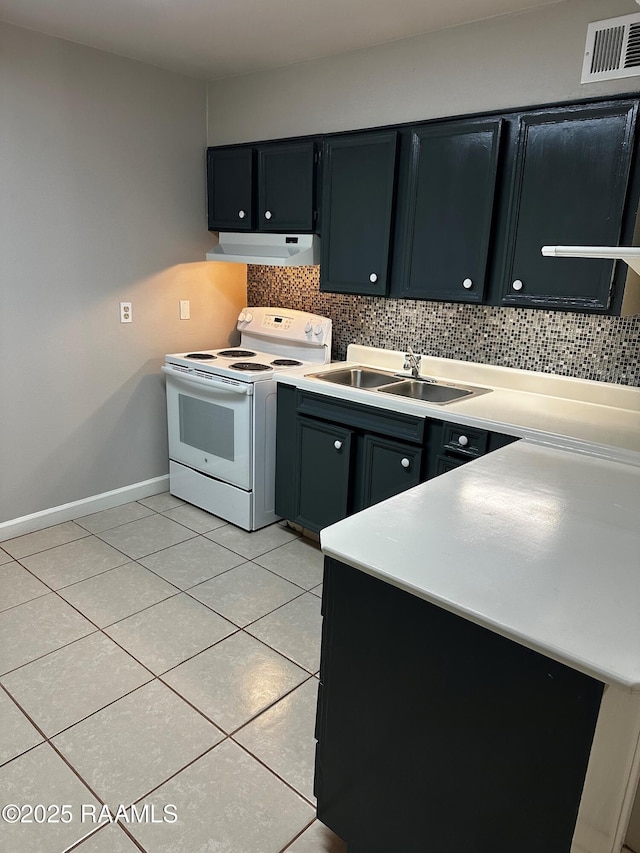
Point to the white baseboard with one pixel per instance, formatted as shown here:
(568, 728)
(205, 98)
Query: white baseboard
(76, 509)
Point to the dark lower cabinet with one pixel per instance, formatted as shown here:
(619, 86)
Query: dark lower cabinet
(335, 457)
(438, 736)
(387, 468)
(322, 472)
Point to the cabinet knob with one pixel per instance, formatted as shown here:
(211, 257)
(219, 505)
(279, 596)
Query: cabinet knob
(373, 278)
(463, 440)
(405, 462)
(241, 214)
(337, 444)
(267, 214)
(467, 284)
(517, 284)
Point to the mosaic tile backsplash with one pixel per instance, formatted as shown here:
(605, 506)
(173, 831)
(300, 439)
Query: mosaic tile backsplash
(581, 345)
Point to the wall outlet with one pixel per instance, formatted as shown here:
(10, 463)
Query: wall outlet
(125, 312)
(185, 309)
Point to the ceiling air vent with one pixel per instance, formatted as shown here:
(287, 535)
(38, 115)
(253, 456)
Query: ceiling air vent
(612, 49)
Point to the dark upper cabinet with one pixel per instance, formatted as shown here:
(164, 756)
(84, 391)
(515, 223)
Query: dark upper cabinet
(230, 188)
(448, 210)
(286, 187)
(358, 204)
(263, 188)
(568, 187)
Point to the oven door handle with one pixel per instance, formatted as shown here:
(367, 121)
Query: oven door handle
(217, 384)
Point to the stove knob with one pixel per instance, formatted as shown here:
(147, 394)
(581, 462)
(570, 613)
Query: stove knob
(248, 317)
(308, 328)
(317, 331)
(242, 317)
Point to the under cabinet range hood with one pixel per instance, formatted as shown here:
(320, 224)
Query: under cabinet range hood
(629, 254)
(279, 250)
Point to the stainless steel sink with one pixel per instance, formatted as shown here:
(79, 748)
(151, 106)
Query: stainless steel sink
(371, 379)
(432, 392)
(356, 377)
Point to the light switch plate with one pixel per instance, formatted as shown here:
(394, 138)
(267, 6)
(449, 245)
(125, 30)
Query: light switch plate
(185, 309)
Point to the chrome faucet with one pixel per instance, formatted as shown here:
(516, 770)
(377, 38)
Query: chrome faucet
(412, 363)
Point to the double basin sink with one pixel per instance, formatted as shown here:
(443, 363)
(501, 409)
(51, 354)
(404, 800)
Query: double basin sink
(427, 390)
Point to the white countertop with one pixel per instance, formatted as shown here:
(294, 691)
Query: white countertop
(538, 541)
(538, 544)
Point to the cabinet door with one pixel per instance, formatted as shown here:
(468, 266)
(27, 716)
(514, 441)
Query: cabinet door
(450, 202)
(285, 187)
(230, 188)
(569, 188)
(357, 199)
(323, 464)
(386, 468)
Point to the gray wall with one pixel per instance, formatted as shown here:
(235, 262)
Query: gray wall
(516, 60)
(102, 176)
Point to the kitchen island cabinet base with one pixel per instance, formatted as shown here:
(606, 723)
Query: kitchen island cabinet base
(436, 735)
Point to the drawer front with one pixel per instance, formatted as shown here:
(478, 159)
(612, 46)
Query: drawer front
(448, 463)
(467, 441)
(367, 418)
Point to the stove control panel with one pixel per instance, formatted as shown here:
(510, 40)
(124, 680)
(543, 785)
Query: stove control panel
(274, 321)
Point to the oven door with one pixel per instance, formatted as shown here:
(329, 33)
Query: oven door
(210, 425)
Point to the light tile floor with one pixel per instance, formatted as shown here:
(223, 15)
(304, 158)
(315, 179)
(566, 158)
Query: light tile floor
(154, 655)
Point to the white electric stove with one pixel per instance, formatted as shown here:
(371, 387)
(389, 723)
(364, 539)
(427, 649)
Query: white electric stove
(221, 410)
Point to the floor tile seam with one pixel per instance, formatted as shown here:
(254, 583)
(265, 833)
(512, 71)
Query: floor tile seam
(85, 533)
(268, 707)
(77, 844)
(164, 512)
(191, 704)
(153, 790)
(88, 578)
(194, 655)
(293, 840)
(275, 609)
(97, 630)
(209, 607)
(281, 653)
(135, 613)
(57, 649)
(253, 557)
(104, 530)
(150, 553)
(12, 698)
(273, 772)
(275, 572)
(228, 618)
(223, 572)
(55, 589)
(291, 690)
(48, 740)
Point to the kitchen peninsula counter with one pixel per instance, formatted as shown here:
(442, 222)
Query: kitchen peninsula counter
(537, 545)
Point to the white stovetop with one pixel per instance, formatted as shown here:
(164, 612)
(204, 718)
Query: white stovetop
(538, 541)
